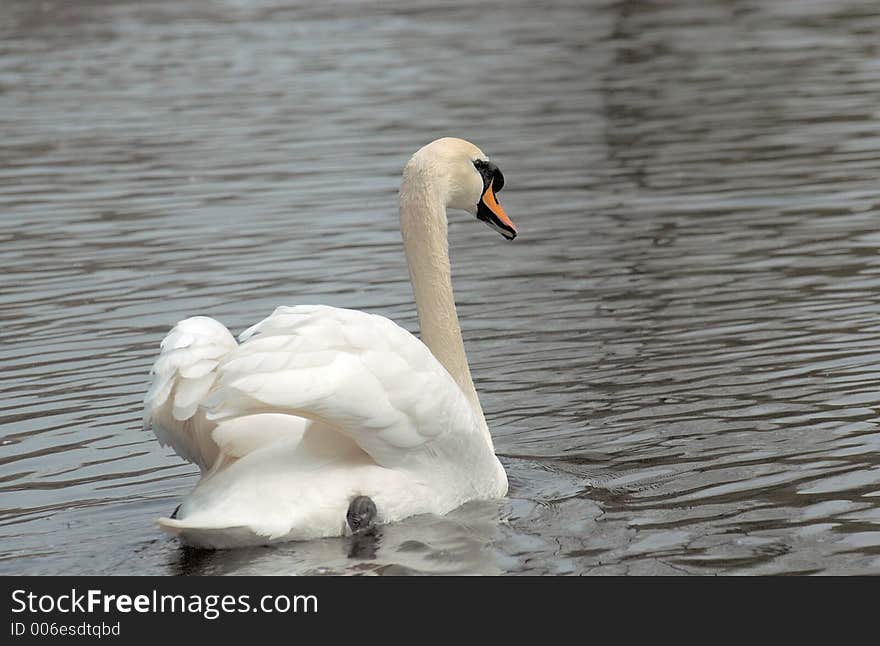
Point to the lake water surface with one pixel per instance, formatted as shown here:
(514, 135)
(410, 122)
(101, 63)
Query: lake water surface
(678, 357)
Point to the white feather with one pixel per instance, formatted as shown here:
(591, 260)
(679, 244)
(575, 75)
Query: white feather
(198, 369)
(240, 436)
(189, 394)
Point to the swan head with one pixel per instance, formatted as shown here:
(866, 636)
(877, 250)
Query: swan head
(465, 178)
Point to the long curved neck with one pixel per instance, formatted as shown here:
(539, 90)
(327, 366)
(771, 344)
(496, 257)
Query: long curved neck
(423, 226)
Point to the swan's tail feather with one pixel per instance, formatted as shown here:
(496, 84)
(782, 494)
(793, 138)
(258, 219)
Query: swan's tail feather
(183, 376)
(211, 537)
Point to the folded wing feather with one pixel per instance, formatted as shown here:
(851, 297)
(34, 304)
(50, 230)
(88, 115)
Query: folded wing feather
(357, 374)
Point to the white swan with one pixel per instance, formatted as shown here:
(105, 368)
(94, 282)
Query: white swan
(318, 406)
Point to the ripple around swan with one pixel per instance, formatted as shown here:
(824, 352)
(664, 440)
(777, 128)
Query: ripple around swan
(678, 356)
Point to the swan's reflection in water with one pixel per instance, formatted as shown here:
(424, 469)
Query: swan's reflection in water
(193, 561)
(365, 544)
(458, 543)
(190, 561)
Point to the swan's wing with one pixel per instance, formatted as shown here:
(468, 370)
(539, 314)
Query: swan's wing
(183, 375)
(359, 373)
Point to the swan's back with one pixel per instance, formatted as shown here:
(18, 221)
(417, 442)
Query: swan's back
(357, 373)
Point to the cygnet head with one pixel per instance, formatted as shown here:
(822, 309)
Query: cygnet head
(464, 177)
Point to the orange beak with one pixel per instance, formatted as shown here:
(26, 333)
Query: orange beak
(489, 211)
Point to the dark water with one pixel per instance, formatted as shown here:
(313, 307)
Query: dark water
(678, 357)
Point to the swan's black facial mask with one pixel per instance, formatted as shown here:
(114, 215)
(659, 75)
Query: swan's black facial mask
(489, 209)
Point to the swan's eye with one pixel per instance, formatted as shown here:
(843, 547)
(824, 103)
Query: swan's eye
(490, 172)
